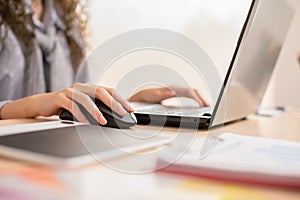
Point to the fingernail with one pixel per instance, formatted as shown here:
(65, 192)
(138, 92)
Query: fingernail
(130, 109)
(122, 111)
(102, 120)
(206, 103)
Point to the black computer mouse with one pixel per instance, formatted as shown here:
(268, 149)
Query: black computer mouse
(114, 120)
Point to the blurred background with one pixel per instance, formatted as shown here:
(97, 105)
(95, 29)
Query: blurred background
(213, 24)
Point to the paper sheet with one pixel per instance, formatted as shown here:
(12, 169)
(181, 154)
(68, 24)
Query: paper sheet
(240, 153)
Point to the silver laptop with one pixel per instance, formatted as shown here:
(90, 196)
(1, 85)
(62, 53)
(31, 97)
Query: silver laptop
(248, 75)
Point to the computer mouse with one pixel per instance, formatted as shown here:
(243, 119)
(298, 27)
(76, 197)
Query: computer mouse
(114, 120)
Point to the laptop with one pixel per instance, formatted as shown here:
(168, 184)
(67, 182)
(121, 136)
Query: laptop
(248, 75)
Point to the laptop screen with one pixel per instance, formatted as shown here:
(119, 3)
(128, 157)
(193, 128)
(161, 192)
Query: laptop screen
(255, 59)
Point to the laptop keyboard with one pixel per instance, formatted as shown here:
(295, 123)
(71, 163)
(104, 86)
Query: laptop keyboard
(175, 110)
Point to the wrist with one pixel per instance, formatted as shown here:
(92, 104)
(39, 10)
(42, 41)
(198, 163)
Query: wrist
(41, 103)
(22, 108)
(33, 106)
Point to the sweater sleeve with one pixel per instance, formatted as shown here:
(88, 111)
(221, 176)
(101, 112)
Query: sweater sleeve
(2, 103)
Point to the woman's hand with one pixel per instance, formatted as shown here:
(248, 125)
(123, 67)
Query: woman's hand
(156, 95)
(48, 104)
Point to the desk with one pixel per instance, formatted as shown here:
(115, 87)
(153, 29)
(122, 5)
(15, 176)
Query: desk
(96, 181)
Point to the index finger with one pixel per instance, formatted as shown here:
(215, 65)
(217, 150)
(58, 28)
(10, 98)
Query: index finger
(120, 99)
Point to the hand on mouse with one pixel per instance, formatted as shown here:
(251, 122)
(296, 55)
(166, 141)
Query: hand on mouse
(48, 104)
(156, 95)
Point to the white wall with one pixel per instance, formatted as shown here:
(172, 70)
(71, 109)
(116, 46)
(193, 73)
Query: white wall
(221, 21)
(212, 24)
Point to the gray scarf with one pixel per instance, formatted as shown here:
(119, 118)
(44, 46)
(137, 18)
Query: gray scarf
(48, 66)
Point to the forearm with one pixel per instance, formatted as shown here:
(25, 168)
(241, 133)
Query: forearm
(22, 108)
(48, 104)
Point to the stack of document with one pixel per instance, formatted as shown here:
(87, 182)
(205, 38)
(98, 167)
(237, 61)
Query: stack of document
(242, 159)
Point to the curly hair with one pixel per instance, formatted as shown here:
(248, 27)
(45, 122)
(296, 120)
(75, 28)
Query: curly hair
(74, 13)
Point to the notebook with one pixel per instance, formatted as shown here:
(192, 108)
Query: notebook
(243, 159)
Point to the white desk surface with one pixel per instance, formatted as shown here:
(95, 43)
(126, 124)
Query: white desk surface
(19, 179)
